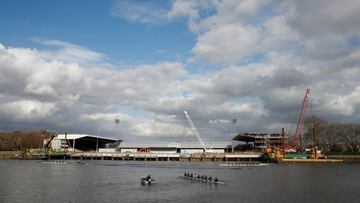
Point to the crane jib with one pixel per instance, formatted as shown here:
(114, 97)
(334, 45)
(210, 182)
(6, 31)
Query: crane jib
(191, 123)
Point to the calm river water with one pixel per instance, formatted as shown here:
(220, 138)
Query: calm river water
(117, 181)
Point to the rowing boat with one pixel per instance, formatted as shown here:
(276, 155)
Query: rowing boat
(243, 164)
(145, 181)
(202, 180)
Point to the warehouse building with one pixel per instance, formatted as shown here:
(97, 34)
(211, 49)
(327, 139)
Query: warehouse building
(83, 142)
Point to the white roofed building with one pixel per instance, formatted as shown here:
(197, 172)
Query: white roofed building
(83, 142)
(174, 147)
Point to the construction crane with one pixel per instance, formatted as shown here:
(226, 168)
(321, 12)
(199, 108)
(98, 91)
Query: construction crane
(297, 137)
(47, 145)
(195, 131)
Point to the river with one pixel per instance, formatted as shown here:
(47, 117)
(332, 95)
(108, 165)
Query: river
(119, 181)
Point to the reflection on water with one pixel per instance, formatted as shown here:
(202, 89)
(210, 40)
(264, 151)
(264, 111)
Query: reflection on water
(119, 181)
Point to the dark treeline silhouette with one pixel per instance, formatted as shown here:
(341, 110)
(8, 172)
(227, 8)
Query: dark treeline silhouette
(17, 140)
(333, 137)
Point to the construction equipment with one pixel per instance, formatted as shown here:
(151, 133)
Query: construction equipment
(191, 123)
(47, 145)
(297, 137)
(283, 141)
(315, 153)
(47, 148)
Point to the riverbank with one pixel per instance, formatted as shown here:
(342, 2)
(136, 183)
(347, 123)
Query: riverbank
(345, 157)
(196, 157)
(311, 161)
(11, 155)
(136, 156)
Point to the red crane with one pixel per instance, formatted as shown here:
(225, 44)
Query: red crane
(297, 138)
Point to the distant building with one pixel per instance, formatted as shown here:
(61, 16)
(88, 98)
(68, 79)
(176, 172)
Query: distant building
(174, 147)
(84, 142)
(259, 140)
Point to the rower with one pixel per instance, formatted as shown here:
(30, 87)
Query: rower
(148, 178)
(210, 178)
(216, 180)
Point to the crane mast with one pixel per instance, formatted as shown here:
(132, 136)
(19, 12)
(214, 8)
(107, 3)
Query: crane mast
(297, 137)
(195, 131)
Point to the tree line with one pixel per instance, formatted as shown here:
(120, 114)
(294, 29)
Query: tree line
(332, 137)
(17, 140)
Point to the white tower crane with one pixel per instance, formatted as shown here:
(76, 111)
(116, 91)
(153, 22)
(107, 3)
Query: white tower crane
(195, 131)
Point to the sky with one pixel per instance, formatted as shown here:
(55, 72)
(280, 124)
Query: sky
(76, 66)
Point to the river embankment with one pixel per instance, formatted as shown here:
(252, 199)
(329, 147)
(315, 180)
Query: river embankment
(345, 157)
(156, 157)
(10, 155)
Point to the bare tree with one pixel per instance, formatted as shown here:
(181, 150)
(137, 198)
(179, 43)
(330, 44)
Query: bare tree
(352, 137)
(18, 140)
(334, 135)
(331, 135)
(320, 127)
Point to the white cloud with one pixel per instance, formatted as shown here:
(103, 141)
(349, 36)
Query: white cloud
(339, 17)
(28, 110)
(36, 89)
(139, 11)
(224, 36)
(219, 121)
(68, 52)
(159, 125)
(237, 30)
(248, 7)
(184, 8)
(260, 96)
(227, 44)
(346, 105)
(252, 110)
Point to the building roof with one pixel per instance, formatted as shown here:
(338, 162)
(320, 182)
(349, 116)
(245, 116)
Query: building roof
(186, 145)
(79, 136)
